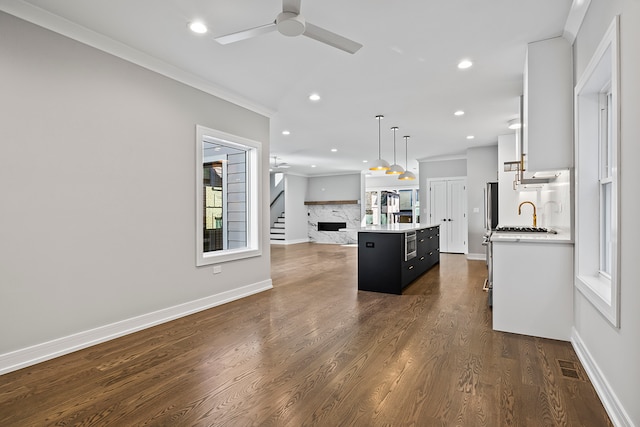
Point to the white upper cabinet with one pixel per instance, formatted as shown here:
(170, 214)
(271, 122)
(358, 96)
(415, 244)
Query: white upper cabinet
(548, 105)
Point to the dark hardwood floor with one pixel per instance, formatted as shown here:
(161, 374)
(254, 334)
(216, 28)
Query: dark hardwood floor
(315, 351)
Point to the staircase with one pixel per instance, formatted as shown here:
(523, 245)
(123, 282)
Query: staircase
(277, 231)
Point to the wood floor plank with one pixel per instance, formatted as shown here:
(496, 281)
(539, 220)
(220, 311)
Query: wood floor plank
(315, 351)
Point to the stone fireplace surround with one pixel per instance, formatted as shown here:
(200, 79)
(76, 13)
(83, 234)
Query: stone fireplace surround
(347, 212)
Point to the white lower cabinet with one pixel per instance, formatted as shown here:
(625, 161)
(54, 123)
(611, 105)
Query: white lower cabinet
(533, 288)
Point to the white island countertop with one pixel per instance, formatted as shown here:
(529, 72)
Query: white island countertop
(394, 228)
(531, 237)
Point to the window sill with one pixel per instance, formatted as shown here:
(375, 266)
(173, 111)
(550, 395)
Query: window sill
(227, 255)
(597, 290)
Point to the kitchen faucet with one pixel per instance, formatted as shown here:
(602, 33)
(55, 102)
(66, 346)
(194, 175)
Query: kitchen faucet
(534, 211)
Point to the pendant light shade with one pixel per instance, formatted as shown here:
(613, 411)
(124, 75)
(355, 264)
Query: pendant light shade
(407, 175)
(380, 164)
(395, 168)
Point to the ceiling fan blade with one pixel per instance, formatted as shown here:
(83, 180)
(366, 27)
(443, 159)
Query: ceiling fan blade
(291, 6)
(246, 34)
(332, 39)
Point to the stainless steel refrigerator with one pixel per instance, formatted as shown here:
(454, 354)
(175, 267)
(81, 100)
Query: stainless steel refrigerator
(490, 224)
(491, 207)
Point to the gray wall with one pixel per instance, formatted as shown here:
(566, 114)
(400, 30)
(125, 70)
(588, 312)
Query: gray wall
(386, 181)
(482, 167)
(334, 187)
(615, 352)
(442, 169)
(296, 210)
(97, 159)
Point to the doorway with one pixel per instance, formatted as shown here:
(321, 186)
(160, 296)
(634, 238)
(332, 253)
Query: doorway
(448, 207)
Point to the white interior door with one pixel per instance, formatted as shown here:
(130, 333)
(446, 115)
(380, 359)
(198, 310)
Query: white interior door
(439, 210)
(457, 220)
(448, 207)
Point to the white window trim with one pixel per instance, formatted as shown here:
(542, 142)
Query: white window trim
(602, 290)
(254, 198)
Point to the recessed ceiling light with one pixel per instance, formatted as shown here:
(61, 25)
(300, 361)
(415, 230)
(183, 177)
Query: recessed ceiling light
(459, 113)
(198, 27)
(286, 132)
(470, 137)
(313, 166)
(465, 63)
(365, 161)
(333, 150)
(314, 97)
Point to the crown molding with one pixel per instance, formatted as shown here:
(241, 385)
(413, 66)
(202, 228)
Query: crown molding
(574, 19)
(57, 24)
(443, 158)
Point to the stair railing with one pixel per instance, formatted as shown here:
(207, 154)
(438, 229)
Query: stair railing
(276, 199)
(276, 207)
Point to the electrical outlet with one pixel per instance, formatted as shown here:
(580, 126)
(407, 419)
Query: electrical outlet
(476, 210)
(217, 269)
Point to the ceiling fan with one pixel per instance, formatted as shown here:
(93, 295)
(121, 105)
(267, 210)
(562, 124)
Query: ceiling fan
(276, 165)
(291, 23)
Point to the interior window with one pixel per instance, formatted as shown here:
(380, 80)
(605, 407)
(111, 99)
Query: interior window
(597, 179)
(606, 181)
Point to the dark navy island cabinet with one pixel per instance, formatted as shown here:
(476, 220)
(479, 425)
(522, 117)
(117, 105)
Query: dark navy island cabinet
(381, 258)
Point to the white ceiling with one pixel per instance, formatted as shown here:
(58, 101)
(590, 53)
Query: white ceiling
(406, 70)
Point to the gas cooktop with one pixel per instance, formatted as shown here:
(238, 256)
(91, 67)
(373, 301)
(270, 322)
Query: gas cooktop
(521, 229)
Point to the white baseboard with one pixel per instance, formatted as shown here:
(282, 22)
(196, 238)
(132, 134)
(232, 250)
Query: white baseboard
(477, 257)
(289, 242)
(612, 405)
(58, 347)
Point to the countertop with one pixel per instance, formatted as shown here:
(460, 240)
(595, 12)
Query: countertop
(532, 237)
(393, 228)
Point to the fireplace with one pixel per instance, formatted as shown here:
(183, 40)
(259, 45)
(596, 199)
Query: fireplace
(331, 226)
(325, 221)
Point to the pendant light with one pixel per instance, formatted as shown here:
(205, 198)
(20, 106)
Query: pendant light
(380, 164)
(395, 168)
(407, 175)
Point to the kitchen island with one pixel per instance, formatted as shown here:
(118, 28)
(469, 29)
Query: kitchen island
(392, 256)
(533, 284)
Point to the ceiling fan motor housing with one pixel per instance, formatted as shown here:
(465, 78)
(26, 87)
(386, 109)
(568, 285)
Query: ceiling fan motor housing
(290, 24)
